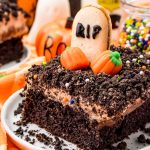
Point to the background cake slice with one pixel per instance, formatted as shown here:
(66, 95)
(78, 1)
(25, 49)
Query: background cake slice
(13, 27)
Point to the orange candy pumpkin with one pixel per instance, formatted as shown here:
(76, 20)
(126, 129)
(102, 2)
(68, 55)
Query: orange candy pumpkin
(73, 59)
(52, 39)
(107, 62)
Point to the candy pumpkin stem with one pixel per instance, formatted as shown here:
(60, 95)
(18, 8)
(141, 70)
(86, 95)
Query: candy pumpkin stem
(115, 58)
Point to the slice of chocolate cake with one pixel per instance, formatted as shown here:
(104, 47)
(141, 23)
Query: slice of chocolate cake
(92, 111)
(13, 27)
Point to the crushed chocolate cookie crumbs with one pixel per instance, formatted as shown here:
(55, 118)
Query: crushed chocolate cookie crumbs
(32, 141)
(19, 109)
(32, 132)
(43, 138)
(147, 130)
(18, 123)
(19, 131)
(141, 138)
(58, 144)
(27, 138)
(122, 146)
(148, 141)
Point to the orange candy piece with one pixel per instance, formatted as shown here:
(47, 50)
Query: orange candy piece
(74, 59)
(65, 100)
(107, 62)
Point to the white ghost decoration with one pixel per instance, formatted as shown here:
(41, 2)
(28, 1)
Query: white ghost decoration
(91, 30)
(48, 11)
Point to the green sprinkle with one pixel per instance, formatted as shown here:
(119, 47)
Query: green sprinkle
(129, 37)
(139, 61)
(133, 47)
(129, 21)
(139, 44)
(115, 58)
(67, 48)
(119, 78)
(137, 24)
(128, 25)
(145, 23)
(44, 63)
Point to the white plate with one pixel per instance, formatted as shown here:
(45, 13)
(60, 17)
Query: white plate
(7, 119)
(26, 55)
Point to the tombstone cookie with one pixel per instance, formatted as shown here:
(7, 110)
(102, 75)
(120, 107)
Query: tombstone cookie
(91, 30)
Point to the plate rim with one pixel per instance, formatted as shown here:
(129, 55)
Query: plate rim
(11, 133)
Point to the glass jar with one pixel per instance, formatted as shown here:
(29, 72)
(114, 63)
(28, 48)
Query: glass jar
(135, 25)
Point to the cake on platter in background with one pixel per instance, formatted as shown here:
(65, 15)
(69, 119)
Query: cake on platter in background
(93, 95)
(12, 28)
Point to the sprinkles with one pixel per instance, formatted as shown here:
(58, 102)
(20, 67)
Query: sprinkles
(65, 100)
(44, 63)
(35, 76)
(134, 60)
(148, 61)
(136, 34)
(87, 80)
(141, 72)
(72, 101)
(67, 85)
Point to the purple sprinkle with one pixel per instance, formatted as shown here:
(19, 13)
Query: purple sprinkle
(72, 101)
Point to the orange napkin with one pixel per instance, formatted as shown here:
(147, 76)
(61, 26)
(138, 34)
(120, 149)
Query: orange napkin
(13, 80)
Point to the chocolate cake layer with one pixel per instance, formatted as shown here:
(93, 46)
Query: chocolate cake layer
(75, 126)
(89, 110)
(11, 50)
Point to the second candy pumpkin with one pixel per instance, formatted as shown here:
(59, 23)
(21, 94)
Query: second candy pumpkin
(73, 59)
(107, 62)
